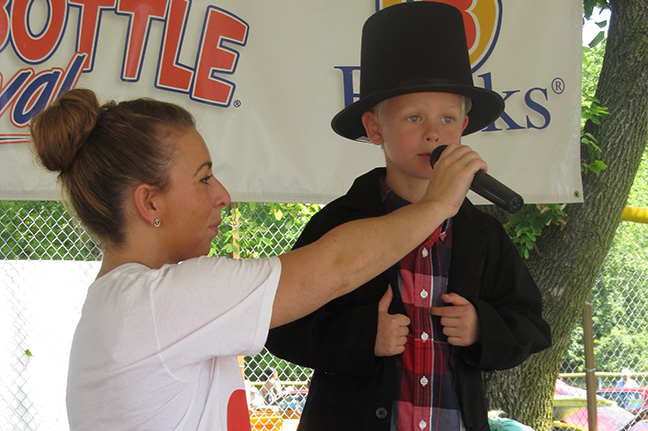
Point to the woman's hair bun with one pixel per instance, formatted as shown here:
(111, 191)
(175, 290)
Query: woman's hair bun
(61, 130)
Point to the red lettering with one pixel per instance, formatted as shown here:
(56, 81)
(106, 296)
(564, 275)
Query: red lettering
(141, 13)
(89, 16)
(213, 57)
(32, 47)
(4, 22)
(173, 75)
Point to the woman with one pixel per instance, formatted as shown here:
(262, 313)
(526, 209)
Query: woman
(162, 324)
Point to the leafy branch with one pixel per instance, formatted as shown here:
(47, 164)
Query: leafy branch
(526, 226)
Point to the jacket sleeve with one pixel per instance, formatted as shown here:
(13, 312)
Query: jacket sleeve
(508, 303)
(340, 336)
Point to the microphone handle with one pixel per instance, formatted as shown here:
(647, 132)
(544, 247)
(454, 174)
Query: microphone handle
(494, 191)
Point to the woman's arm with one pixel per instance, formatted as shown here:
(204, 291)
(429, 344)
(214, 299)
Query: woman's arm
(355, 252)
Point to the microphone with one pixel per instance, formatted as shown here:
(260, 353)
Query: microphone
(488, 187)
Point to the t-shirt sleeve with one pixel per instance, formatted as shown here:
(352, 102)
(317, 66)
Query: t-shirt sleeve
(207, 307)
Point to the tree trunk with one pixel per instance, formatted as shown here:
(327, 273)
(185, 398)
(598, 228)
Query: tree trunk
(568, 261)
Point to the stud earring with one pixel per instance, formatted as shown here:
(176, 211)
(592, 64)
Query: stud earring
(156, 222)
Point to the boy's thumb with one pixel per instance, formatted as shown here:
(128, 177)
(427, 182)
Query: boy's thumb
(386, 299)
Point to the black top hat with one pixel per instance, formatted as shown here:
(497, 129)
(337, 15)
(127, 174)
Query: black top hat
(411, 48)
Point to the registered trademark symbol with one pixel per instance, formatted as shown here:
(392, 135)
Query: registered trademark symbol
(558, 85)
(237, 103)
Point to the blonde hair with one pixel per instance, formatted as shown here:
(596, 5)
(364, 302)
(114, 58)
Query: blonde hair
(102, 151)
(379, 108)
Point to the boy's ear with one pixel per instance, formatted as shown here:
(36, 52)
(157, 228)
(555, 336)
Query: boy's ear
(145, 200)
(372, 127)
(465, 123)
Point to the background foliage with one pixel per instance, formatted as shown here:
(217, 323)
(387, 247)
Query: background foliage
(42, 230)
(525, 226)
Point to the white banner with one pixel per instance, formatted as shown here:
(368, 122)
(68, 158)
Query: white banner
(264, 79)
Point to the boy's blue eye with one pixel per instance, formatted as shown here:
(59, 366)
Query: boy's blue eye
(448, 119)
(413, 118)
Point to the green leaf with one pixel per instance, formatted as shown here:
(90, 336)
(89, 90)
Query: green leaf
(598, 38)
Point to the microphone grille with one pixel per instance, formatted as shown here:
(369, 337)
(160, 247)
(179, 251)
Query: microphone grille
(436, 153)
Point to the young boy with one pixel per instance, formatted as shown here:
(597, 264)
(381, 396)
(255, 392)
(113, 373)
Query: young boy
(405, 351)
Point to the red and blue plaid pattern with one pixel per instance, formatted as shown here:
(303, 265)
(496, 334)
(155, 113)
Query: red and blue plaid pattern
(425, 398)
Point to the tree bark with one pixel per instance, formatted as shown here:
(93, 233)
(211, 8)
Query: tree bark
(567, 262)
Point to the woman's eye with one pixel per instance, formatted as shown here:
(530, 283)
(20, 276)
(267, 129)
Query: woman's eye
(206, 179)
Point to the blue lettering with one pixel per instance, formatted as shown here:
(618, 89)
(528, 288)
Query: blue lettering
(9, 92)
(347, 80)
(488, 84)
(41, 87)
(537, 108)
(512, 125)
(73, 72)
(350, 96)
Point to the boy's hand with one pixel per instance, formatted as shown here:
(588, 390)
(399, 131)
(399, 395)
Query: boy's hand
(392, 328)
(459, 320)
(453, 174)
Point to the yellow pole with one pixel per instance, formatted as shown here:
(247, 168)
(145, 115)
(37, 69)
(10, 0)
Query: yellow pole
(236, 255)
(235, 236)
(637, 215)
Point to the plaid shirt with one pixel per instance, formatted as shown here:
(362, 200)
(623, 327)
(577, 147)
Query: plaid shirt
(425, 398)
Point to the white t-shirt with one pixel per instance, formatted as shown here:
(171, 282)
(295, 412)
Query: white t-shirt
(156, 349)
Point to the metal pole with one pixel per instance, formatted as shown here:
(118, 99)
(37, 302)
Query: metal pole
(590, 366)
(637, 215)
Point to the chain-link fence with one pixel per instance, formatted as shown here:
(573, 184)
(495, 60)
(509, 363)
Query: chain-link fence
(47, 261)
(619, 340)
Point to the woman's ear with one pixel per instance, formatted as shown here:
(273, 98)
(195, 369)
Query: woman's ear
(372, 127)
(144, 198)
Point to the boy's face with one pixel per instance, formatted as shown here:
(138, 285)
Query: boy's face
(411, 126)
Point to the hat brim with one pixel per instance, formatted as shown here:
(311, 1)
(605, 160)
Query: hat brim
(487, 106)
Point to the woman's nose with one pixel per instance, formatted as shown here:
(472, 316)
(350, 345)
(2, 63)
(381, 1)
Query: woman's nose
(223, 197)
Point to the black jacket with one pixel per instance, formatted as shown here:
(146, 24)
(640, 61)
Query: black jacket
(352, 389)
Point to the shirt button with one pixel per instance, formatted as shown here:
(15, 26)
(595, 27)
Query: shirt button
(424, 336)
(381, 413)
(424, 294)
(422, 425)
(424, 252)
(424, 381)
